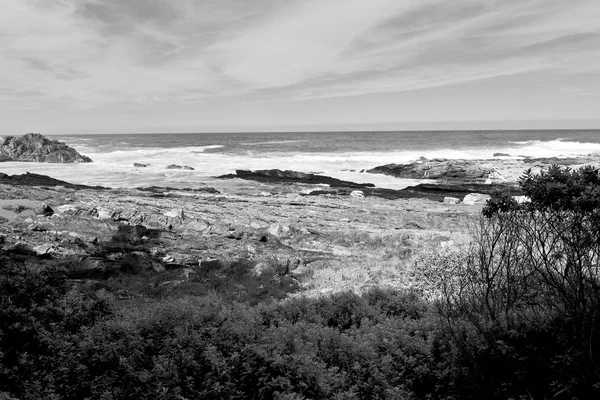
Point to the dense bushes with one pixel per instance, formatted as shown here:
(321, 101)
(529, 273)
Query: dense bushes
(524, 314)
(343, 346)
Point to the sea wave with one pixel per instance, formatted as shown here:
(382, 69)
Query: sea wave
(274, 142)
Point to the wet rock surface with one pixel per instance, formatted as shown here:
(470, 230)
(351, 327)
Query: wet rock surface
(279, 176)
(35, 147)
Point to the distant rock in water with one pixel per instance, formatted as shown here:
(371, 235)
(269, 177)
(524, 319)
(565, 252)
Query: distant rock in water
(465, 171)
(557, 160)
(34, 147)
(279, 176)
(175, 166)
(140, 165)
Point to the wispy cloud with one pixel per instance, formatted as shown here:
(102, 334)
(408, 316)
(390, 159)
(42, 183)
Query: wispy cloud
(89, 53)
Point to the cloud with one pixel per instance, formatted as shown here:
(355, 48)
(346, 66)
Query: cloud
(90, 53)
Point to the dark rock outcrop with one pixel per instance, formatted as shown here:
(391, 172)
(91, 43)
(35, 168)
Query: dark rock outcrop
(29, 179)
(439, 169)
(428, 191)
(34, 147)
(553, 160)
(44, 209)
(279, 176)
(175, 166)
(140, 165)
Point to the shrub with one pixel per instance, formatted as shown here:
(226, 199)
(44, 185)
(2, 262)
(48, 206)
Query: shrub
(527, 297)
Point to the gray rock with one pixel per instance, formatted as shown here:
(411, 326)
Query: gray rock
(140, 165)
(357, 193)
(37, 148)
(43, 249)
(175, 166)
(451, 200)
(447, 170)
(43, 209)
(263, 268)
(476, 198)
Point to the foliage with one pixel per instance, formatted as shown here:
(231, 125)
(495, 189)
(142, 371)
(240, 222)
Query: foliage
(528, 294)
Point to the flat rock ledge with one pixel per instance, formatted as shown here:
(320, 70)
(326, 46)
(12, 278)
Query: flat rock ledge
(478, 171)
(34, 147)
(279, 176)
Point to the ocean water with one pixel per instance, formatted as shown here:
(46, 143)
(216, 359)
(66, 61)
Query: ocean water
(338, 154)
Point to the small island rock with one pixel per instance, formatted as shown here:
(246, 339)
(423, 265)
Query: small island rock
(175, 166)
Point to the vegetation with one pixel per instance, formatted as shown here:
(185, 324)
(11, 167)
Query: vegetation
(513, 316)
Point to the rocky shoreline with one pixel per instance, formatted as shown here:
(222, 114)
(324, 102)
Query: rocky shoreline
(341, 236)
(325, 242)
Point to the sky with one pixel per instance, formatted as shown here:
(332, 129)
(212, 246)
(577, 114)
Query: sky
(113, 66)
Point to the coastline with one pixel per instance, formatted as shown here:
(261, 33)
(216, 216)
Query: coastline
(332, 237)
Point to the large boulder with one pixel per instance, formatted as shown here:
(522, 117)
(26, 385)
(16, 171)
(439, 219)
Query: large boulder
(37, 148)
(476, 198)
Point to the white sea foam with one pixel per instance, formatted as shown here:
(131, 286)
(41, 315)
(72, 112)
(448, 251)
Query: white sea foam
(115, 168)
(274, 142)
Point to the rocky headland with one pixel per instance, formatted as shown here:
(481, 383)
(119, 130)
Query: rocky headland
(34, 147)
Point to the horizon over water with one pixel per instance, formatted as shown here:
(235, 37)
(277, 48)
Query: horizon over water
(337, 154)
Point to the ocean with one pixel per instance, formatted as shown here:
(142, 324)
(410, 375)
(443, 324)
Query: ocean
(338, 154)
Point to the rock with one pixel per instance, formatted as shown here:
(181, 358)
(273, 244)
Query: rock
(175, 166)
(476, 198)
(3, 220)
(29, 179)
(345, 220)
(43, 209)
(464, 171)
(43, 249)
(258, 224)
(266, 194)
(554, 160)
(522, 199)
(37, 148)
(278, 230)
(279, 176)
(451, 200)
(2, 239)
(67, 209)
(263, 268)
(132, 233)
(357, 194)
(16, 208)
(140, 165)
(501, 155)
(439, 191)
(21, 249)
(177, 213)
